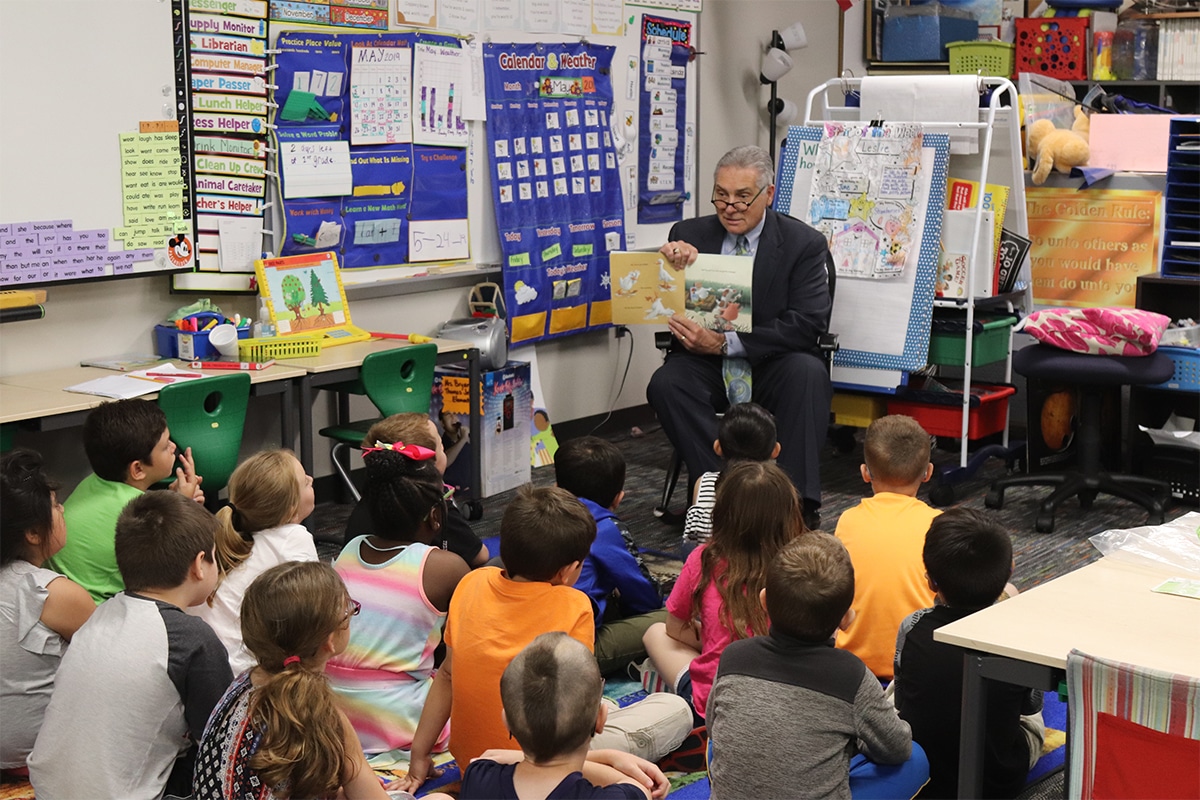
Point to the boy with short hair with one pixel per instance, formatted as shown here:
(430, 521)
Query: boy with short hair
(552, 706)
(625, 599)
(968, 559)
(129, 449)
(141, 677)
(746, 433)
(884, 535)
(788, 710)
(545, 535)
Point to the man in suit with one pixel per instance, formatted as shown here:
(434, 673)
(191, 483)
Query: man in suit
(790, 304)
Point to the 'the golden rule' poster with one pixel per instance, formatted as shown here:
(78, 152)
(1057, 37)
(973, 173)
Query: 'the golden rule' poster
(1090, 246)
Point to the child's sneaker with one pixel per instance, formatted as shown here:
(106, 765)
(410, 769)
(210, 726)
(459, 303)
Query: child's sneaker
(651, 681)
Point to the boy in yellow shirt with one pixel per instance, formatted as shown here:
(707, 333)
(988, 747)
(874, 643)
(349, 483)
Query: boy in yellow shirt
(884, 535)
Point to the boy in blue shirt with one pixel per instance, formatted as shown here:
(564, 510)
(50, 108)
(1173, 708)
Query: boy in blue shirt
(625, 599)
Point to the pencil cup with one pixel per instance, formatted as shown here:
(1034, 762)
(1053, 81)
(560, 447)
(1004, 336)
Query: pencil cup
(224, 339)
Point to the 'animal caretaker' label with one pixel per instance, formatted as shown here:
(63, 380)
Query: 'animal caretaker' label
(226, 184)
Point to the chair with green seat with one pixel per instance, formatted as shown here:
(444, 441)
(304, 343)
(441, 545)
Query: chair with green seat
(397, 381)
(208, 415)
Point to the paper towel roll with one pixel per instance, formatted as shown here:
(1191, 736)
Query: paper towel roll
(925, 98)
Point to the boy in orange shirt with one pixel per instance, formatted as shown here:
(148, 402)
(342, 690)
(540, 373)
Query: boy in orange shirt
(884, 535)
(545, 535)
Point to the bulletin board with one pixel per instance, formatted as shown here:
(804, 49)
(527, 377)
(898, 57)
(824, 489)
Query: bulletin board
(95, 176)
(441, 192)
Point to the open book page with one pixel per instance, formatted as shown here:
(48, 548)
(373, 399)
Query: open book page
(714, 291)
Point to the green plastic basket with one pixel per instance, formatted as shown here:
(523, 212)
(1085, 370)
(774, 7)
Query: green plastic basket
(983, 58)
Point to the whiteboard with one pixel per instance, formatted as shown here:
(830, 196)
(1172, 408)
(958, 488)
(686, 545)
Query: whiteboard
(74, 76)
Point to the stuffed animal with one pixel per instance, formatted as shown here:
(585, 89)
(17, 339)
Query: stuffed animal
(1056, 148)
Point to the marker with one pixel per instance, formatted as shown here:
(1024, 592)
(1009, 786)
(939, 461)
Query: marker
(244, 366)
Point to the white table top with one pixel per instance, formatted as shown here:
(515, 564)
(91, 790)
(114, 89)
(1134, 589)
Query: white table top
(1105, 609)
(351, 355)
(21, 402)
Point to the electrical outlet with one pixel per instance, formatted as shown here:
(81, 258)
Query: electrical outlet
(621, 331)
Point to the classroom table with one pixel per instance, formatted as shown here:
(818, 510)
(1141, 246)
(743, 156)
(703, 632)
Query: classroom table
(341, 363)
(39, 398)
(1105, 609)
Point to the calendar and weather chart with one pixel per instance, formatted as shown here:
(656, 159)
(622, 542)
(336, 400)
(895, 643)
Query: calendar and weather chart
(555, 183)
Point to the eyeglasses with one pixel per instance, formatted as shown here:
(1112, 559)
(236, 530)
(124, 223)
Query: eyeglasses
(737, 205)
(353, 607)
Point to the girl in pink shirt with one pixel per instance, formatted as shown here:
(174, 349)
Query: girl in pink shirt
(715, 599)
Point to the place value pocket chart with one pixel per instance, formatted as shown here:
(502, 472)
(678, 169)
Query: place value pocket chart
(359, 175)
(555, 183)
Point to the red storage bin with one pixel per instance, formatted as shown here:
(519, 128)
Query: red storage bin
(1053, 46)
(940, 413)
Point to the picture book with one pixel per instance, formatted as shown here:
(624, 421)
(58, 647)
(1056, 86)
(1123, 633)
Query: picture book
(962, 193)
(305, 297)
(124, 363)
(714, 290)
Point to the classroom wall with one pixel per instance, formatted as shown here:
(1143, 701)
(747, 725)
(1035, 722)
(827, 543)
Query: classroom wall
(579, 374)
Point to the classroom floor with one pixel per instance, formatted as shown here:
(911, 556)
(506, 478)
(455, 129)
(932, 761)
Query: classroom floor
(1039, 557)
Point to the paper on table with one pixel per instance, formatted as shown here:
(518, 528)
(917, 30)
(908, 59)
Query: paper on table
(118, 387)
(1183, 587)
(316, 169)
(240, 242)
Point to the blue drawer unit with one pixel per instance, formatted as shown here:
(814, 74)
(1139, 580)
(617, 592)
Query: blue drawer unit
(1181, 228)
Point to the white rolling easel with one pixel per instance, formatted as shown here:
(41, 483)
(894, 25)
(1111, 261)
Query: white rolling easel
(1000, 159)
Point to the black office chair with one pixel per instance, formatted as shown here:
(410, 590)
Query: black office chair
(826, 342)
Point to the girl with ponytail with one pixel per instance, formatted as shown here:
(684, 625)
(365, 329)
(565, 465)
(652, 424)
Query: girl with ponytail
(269, 497)
(277, 732)
(404, 581)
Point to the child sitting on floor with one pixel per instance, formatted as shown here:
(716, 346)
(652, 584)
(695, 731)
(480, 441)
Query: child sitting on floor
(624, 597)
(791, 716)
(269, 498)
(551, 693)
(968, 559)
(140, 678)
(278, 732)
(714, 601)
(544, 538)
(456, 534)
(130, 449)
(746, 433)
(884, 535)
(40, 610)
(404, 583)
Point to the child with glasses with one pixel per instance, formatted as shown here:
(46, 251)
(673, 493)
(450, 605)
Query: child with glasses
(404, 582)
(278, 731)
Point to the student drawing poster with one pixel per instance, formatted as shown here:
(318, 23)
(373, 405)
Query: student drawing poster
(897, 312)
(864, 197)
(662, 113)
(554, 177)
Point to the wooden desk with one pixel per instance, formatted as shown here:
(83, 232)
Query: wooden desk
(39, 396)
(342, 363)
(1105, 609)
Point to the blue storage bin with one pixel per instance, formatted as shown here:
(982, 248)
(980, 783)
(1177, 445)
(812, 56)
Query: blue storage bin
(921, 33)
(166, 338)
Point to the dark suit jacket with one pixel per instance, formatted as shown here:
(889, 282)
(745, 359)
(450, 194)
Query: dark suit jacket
(790, 290)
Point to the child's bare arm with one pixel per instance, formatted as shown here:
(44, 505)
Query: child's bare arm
(67, 607)
(606, 767)
(434, 716)
(684, 631)
(359, 781)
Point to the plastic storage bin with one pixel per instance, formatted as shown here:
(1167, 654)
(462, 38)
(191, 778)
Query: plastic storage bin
(983, 58)
(1187, 369)
(857, 410)
(940, 413)
(167, 340)
(948, 340)
(1053, 46)
(921, 33)
(278, 347)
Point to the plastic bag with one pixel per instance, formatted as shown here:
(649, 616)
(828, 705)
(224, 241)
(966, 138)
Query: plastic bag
(1043, 97)
(1176, 543)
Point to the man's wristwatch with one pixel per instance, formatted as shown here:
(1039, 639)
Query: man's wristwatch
(724, 345)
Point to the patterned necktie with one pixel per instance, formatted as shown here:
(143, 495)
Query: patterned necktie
(736, 371)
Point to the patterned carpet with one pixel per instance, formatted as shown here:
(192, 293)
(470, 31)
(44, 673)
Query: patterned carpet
(1039, 557)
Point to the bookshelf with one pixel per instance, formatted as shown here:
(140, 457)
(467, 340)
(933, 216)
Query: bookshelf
(1183, 97)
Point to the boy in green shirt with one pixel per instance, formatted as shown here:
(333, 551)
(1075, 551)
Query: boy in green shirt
(130, 449)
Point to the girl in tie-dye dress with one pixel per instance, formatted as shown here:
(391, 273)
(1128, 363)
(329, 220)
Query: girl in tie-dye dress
(404, 584)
